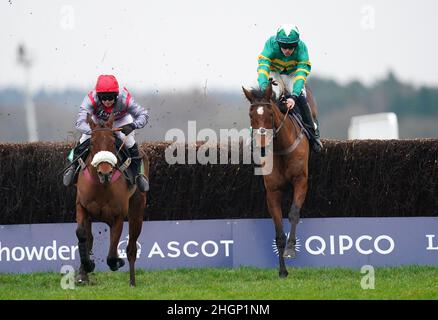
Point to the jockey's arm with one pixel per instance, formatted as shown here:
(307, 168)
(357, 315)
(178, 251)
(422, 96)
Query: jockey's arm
(303, 70)
(81, 123)
(264, 65)
(139, 114)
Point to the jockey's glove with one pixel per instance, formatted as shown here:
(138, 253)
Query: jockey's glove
(128, 128)
(292, 96)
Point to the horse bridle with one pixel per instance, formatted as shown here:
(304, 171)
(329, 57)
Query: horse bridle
(262, 131)
(276, 130)
(113, 130)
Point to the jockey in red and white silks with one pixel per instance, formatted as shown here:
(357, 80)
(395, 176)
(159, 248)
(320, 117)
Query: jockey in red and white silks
(104, 100)
(125, 109)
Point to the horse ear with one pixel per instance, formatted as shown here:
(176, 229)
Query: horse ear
(268, 92)
(110, 121)
(248, 94)
(90, 121)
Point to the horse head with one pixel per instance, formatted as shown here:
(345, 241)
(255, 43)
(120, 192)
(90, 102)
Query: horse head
(261, 114)
(102, 148)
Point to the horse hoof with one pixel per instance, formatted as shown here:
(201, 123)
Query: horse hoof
(283, 275)
(115, 263)
(82, 279)
(289, 253)
(120, 262)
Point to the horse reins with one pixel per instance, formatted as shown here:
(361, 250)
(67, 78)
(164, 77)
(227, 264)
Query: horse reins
(110, 129)
(277, 130)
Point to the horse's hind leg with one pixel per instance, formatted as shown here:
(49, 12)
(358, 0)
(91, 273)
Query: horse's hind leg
(113, 260)
(300, 190)
(83, 233)
(137, 204)
(273, 199)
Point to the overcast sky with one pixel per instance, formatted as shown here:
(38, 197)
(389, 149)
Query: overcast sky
(180, 44)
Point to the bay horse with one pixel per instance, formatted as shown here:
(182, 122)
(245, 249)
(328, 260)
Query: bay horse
(290, 164)
(104, 194)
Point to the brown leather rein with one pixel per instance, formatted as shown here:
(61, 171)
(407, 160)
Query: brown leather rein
(112, 130)
(297, 141)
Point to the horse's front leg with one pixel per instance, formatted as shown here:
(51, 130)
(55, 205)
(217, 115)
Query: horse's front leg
(137, 204)
(300, 191)
(90, 240)
(83, 233)
(113, 260)
(273, 199)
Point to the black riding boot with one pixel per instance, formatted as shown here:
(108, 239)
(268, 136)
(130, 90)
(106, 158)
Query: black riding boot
(309, 123)
(317, 135)
(70, 174)
(140, 179)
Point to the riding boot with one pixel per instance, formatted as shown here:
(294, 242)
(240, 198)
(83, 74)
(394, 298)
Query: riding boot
(311, 125)
(140, 180)
(69, 174)
(317, 134)
(81, 151)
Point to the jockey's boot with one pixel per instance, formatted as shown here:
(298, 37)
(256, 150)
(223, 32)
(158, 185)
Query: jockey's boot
(140, 180)
(311, 125)
(317, 135)
(70, 173)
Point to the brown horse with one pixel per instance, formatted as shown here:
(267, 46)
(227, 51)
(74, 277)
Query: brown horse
(290, 164)
(104, 194)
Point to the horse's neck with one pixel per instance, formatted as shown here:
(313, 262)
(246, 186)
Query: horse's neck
(287, 134)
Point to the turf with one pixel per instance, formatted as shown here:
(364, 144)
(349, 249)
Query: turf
(409, 282)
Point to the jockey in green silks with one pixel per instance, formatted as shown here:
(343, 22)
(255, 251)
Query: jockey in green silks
(285, 59)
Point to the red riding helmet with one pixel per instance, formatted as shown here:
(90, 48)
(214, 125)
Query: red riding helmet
(107, 83)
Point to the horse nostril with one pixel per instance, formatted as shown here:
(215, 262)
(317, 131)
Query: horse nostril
(105, 177)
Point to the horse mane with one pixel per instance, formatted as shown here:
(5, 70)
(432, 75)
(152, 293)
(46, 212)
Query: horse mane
(101, 123)
(259, 94)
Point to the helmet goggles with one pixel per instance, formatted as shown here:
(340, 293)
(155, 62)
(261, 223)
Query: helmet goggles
(107, 96)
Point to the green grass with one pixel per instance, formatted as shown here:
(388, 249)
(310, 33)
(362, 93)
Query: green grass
(410, 282)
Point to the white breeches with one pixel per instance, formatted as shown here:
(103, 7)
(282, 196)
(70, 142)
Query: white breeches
(284, 81)
(130, 140)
